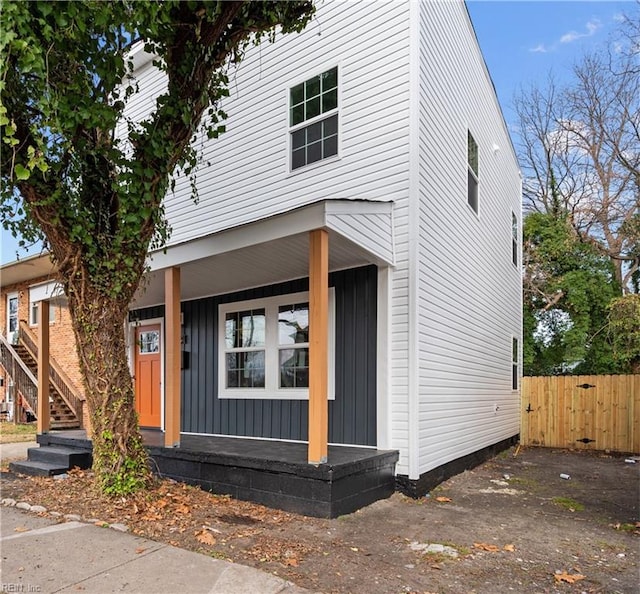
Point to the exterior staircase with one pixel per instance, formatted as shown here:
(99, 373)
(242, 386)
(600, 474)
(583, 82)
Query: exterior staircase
(20, 360)
(62, 417)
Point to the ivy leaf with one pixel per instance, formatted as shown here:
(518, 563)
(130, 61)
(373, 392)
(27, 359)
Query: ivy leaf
(21, 172)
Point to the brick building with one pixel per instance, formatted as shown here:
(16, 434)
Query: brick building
(22, 284)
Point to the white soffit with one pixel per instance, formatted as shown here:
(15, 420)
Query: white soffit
(345, 217)
(26, 269)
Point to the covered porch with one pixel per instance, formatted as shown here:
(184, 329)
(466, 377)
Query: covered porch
(301, 473)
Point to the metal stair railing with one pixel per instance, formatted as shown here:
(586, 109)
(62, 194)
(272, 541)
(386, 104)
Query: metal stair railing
(58, 378)
(24, 382)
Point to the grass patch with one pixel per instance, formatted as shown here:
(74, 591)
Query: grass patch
(569, 504)
(626, 527)
(523, 482)
(10, 433)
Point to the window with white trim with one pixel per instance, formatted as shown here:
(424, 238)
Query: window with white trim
(313, 119)
(514, 364)
(514, 239)
(263, 347)
(33, 313)
(472, 172)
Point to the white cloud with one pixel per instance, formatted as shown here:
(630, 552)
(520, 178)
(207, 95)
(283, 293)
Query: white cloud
(590, 29)
(539, 49)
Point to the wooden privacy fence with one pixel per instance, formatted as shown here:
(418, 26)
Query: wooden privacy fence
(592, 412)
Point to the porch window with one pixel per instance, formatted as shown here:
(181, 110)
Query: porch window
(313, 119)
(264, 348)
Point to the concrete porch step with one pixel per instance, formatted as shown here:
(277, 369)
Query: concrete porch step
(61, 456)
(34, 468)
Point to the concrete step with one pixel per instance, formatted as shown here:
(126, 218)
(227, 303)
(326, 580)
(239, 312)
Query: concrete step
(34, 468)
(60, 456)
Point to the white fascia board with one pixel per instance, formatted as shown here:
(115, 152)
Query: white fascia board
(139, 56)
(45, 291)
(301, 220)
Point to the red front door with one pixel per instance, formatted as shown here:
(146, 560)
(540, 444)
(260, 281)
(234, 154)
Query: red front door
(148, 378)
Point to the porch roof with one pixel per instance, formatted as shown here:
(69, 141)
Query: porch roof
(273, 250)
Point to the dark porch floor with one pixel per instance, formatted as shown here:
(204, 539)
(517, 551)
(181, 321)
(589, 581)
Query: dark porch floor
(273, 473)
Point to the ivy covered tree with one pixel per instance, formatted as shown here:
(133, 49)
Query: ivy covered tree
(90, 184)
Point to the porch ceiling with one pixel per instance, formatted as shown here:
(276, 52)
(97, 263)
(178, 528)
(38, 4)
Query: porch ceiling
(269, 251)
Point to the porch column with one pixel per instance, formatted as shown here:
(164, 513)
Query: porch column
(318, 345)
(172, 358)
(43, 422)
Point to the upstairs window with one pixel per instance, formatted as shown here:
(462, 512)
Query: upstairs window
(472, 172)
(313, 119)
(514, 364)
(514, 239)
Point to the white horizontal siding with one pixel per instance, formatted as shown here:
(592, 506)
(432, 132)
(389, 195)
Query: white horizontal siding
(244, 174)
(468, 288)
(372, 232)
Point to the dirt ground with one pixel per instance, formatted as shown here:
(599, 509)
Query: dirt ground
(510, 525)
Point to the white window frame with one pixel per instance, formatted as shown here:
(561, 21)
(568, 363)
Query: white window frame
(11, 296)
(34, 308)
(515, 228)
(473, 174)
(319, 118)
(271, 391)
(515, 363)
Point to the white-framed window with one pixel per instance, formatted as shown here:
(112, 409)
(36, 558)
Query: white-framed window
(514, 364)
(472, 172)
(34, 308)
(514, 239)
(263, 347)
(12, 313)
(313, 119)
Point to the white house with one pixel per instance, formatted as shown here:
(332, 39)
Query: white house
(370, 148)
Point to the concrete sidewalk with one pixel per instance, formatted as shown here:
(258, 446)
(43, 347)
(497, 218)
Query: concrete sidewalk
(15, 451)
(41, 555)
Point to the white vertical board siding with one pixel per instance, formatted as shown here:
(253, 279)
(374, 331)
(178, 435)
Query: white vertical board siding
(468, 288)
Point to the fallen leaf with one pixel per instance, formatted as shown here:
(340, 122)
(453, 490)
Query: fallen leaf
(443, 499)
(354, 549)
(21, 529)
(205, 537)
(183, 509)
(570, 578)
(140, 550)
(292, 561)
(486, 547)
(509, 547)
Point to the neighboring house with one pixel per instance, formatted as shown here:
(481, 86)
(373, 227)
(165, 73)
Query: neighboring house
(367, 157)
(23, 284)
(380, 126)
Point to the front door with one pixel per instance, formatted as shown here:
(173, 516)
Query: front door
(148, 375)
(12, 316)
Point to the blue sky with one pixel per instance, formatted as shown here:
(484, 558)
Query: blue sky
(521, 42)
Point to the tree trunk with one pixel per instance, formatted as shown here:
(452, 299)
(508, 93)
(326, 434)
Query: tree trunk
(120, 461)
